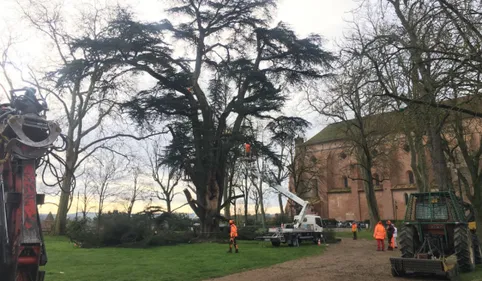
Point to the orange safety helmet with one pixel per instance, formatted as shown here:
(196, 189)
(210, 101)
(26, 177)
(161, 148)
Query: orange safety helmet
(231, 222)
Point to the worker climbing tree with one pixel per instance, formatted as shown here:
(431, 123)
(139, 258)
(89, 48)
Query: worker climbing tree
(247, 151)
(233, 234)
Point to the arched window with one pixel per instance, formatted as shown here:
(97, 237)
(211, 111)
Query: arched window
(345, 182)
(411, 179)
(376, 180)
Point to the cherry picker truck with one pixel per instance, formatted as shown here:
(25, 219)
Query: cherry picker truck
(304, 227)
(25, 138)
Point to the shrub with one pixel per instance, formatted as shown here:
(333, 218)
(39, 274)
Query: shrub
(261, 231)
(173, 222)
(329, 235)
(247, 233)
(118, 229)
(166, 238)
(83, 234)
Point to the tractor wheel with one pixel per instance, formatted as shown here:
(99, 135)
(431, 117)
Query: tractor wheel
(408, 241)
(275, 243)
(464, 249)
(477, 250)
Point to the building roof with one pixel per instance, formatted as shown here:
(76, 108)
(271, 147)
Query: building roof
(332, 132)
(338, 131)
(50, 217)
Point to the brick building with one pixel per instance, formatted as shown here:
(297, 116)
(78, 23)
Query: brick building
(338, 194)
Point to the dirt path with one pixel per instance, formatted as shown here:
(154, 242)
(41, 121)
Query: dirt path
(348, 260)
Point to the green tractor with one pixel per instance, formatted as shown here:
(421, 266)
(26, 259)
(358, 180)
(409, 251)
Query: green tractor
(438, 237)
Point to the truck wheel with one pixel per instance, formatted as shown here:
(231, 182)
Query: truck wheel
(275, 243)
(464, 249)
(408, 241)
(477, 250)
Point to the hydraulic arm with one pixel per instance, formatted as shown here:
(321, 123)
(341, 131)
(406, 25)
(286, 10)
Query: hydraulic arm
(294, 197)
(25, 137)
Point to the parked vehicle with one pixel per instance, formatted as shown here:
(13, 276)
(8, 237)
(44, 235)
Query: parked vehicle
(304, 227)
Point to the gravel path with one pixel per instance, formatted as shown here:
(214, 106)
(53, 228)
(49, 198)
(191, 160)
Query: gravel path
(355, 260)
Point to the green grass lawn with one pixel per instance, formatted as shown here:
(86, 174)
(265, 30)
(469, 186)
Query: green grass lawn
(473, 276)
(181, 262)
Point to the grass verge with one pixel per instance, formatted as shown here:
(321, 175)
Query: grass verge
(181, 262)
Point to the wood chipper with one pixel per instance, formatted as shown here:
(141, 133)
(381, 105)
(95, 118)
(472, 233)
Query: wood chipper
(25, 137)
(438, 237)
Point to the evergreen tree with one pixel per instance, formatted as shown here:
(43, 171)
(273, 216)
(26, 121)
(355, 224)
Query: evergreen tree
(236, 66)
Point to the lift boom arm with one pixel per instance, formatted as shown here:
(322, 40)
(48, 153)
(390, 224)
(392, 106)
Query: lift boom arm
(294, 197)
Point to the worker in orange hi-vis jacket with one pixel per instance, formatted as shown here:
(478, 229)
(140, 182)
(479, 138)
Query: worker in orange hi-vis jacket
(354, 229)
(380, 234)
(233, 233)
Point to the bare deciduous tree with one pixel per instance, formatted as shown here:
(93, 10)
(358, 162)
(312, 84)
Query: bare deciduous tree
(134, 191)
(87, 196)
(109, 169)
(362, 127)
(80, 84)
(166, 176)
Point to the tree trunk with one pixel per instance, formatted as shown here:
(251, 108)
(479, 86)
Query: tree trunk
(281, 210)
(246, 211)
(206, 205)
(439, 164)
(61, 217)
(478, 215)
(66, 189)
(99, 216)
(421, 169)
(169, 206)
(418, 161)
(131, 206)
(366, 161)
(226, 196)
(246, 199)
(261, 204)
(371, 200)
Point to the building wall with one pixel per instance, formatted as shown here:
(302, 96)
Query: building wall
(341, 195)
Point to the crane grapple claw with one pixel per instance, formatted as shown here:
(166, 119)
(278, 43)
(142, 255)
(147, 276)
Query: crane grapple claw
(25, 137)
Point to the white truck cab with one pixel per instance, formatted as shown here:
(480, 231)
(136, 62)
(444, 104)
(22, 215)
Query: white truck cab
(310, 222)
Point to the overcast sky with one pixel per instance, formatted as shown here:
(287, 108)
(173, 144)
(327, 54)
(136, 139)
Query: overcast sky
(325, 17)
